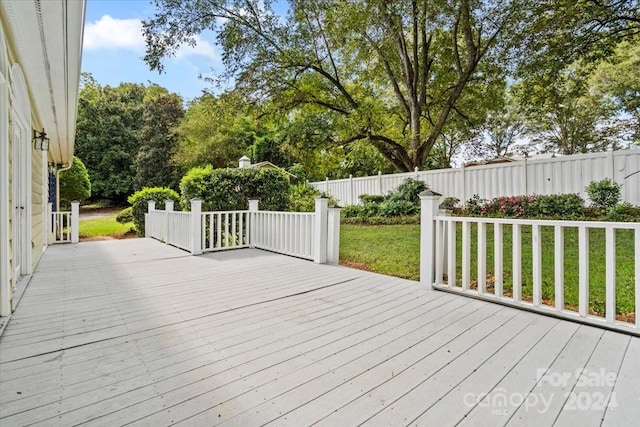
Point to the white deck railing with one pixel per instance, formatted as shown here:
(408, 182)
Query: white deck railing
(225, 230)
(442, 249)
(314, 236)
(289, 233)
(63, 227)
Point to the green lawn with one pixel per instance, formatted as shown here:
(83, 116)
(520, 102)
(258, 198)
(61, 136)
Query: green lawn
(395, 249)
(105, 226)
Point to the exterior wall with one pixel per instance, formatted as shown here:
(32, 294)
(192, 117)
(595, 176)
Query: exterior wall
(5, 166)
(38, 208)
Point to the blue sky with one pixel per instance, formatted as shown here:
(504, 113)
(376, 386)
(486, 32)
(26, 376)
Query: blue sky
(114, 47)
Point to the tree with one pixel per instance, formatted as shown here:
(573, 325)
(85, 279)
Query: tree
(559, 32)
(563, 115)
(154, 162)
(74, 183)
(390, 73)
(217, 131)
(618, 77)
(107, 136)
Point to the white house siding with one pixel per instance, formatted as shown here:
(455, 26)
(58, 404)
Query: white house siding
(40, 55)
(39, 185)
(5, 165)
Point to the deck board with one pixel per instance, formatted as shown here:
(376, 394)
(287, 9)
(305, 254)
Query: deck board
(140, 333)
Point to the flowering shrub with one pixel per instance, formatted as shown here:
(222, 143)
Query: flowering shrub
(556, 206)
(510, 207)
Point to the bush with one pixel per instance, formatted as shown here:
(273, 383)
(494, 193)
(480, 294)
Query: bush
(379, 220)
(74, 183)
(371, 198)
(563, 206)
(449, 202)
(397, 208)
(140, 201)
(360, 211)
(230, 189)
(302, 198)
(408, 191)
(624, 212)
(475, 205)
(125, 215)
(604, 194)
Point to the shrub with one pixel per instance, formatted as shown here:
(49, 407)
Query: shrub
(449, 202)
(509, 207)
(604, 194)
(302, 198)
(360, 211)
(371, 198)
(140, 201)
(408, 191)
(74, 183)
(396, 208)
(125, 215)
(379, 220)
(475, 205)
(566, 206)
(624, 212)
(230, 189)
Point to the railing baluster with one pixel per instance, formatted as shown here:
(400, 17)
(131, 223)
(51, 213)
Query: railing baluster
(583, 271)
(482, 257)
(466, 255)
(498, 260)
(517, 262)
(558, 253)
(451, 248)
(610, 261)
(219, 230)
(440, 248)
(537, 264)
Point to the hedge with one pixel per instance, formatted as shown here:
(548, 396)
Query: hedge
(140, 201)
(230, 189)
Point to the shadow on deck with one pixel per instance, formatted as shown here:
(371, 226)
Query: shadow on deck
(137, 332)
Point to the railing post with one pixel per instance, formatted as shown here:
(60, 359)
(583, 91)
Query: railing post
(49, 229)
(253, 208)
(333, 243)
(320, 231)
(151, 206)
(428, 210)
(168, 207)
(380, 184)
(75, 221)
(196, 226)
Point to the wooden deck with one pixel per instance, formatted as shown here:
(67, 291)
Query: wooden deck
(137, 332)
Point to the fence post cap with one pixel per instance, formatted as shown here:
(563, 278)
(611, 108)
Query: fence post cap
(335, 207)
(75, 201)
(320, 197)
(429, 194)
(253, 199)
(195, 199)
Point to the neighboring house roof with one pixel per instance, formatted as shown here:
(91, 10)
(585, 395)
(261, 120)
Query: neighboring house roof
(47, 37)
(246, 162)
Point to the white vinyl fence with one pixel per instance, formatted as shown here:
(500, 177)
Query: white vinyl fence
(314, 236)
(564, 174)
(447, 258)
(63, 227)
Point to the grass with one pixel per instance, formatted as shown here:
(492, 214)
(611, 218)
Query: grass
(395, 250)
(105, 226)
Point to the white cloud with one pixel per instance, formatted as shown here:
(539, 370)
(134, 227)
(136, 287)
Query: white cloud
(114, 33)
(202, 48)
